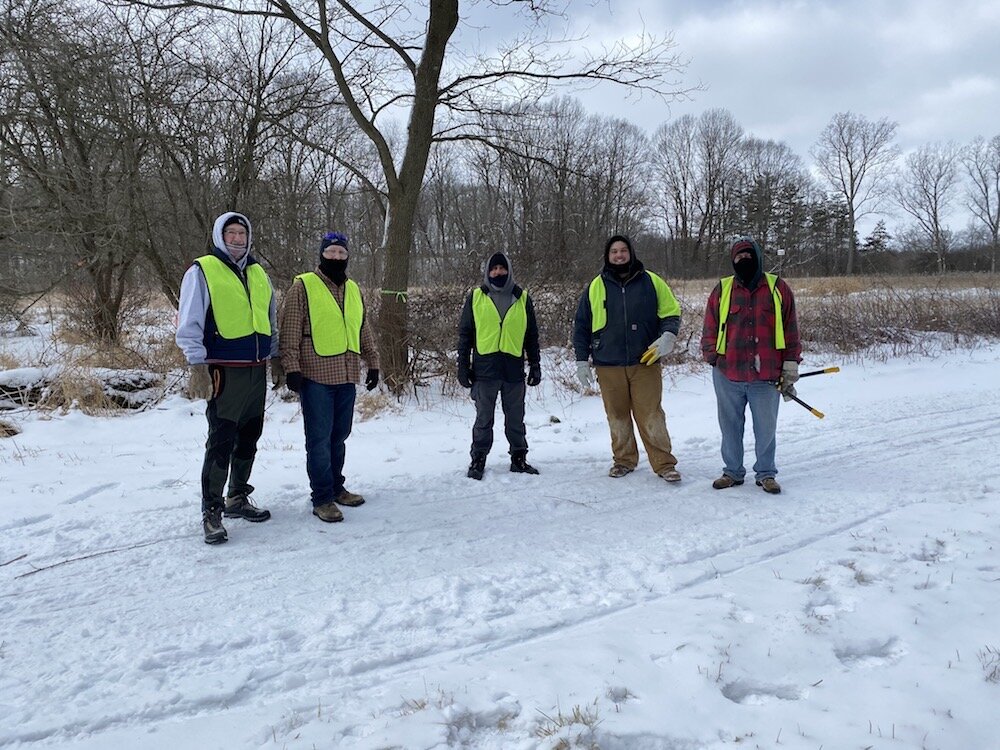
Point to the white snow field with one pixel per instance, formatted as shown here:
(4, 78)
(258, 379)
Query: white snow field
(858, 609)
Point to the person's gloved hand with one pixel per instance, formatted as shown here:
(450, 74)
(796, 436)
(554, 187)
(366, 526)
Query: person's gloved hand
(659, 348)
(371, 379)
(278, 377)
(584, 375)
(293, 380)
(199, 382)
(534, 373)
(464, 375)
(789, 376)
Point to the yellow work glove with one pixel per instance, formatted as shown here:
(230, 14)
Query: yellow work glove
(659, 348)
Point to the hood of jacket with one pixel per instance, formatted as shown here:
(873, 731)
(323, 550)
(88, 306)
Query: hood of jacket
(220, 222)
(746, 243)
(493, 260)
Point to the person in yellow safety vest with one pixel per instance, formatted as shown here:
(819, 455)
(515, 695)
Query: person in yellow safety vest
(497, 328)
(324, 337)
(227, 329)
(626, 321)
(751, 338)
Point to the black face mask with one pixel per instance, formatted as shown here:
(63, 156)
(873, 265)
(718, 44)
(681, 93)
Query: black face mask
(334, 269)
(746, 269)
(498, 281)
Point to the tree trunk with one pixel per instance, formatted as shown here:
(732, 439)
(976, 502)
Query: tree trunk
(403, 196)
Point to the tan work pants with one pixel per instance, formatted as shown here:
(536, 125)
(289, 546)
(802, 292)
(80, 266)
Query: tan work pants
(634, 393)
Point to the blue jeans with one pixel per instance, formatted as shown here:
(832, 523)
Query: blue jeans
(732, 400)
(327, 414)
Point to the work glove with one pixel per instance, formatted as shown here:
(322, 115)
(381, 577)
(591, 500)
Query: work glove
(584, 375)
(464, 374)
(534, 373)
(199, 382)
(278, 377)
(371, 379)
(293, 380)
(659, 348)
(789, 376)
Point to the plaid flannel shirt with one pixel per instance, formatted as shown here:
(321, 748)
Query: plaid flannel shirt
(750, 353)
(295, 341)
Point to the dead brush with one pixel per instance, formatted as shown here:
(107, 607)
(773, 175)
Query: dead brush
(586, 717)
(370, 405)
(9, 361)
(76, 388)
(989, 657)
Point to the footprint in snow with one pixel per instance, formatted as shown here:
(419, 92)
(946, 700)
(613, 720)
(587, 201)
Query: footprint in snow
(757, 694)
(870, 653)
(87, 494)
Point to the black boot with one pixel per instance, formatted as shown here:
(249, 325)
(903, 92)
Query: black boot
(520, 465)
(477, 467)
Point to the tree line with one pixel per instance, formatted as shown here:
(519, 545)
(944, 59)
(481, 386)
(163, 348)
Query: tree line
(126, 128)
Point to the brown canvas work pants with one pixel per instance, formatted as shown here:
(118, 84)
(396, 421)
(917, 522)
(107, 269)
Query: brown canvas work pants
(634, 393)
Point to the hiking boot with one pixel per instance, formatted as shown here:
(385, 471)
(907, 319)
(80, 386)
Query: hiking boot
(769, 485)
(242, 506)
(211, 522)
(328, 512)
(620, 470)
(477, 467)
(520, 465)
(350, 499)
(670, 475)
(725, 482)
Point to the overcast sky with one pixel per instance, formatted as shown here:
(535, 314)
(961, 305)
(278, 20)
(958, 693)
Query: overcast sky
(785, 67)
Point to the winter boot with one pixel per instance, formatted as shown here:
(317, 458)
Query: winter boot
(241, 506)
(348, 498)
(769, 485)
(211, 522)
(477, 467)
(520, 465)
(670, 475)
(619, 470)
(725, 482)
(328, 512)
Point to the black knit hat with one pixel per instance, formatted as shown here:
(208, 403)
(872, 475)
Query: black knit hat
(236, 219)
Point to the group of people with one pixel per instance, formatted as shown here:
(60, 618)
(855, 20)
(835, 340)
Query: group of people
(627, 320)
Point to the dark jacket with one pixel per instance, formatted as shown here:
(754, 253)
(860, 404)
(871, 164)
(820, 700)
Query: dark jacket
(499, 365)
(632, 321)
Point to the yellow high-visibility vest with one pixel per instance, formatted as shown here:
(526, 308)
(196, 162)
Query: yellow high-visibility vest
(239, 310)
(496, 335)
(334, 331)
(726, 297)
(666, 304)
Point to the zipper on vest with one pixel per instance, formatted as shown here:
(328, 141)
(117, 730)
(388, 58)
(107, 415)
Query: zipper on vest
(625, 315)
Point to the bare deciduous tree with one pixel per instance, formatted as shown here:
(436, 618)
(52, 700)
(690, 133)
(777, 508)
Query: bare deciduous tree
(982, 163)
(698, 164)
(855, 155)
(925, 190)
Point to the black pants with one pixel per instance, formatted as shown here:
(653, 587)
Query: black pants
(235, 421)
(484, 393)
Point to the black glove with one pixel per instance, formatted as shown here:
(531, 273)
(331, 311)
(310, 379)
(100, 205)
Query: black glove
(371, 380)
(464, 375)
(293, 380)
(534, 373)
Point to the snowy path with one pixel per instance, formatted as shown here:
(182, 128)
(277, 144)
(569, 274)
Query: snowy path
(438, 575)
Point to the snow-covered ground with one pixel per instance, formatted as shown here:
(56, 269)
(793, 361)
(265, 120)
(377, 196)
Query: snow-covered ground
(858, 609)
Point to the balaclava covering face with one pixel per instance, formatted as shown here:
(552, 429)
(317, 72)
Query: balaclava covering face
(334, 269)
(748, 269)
